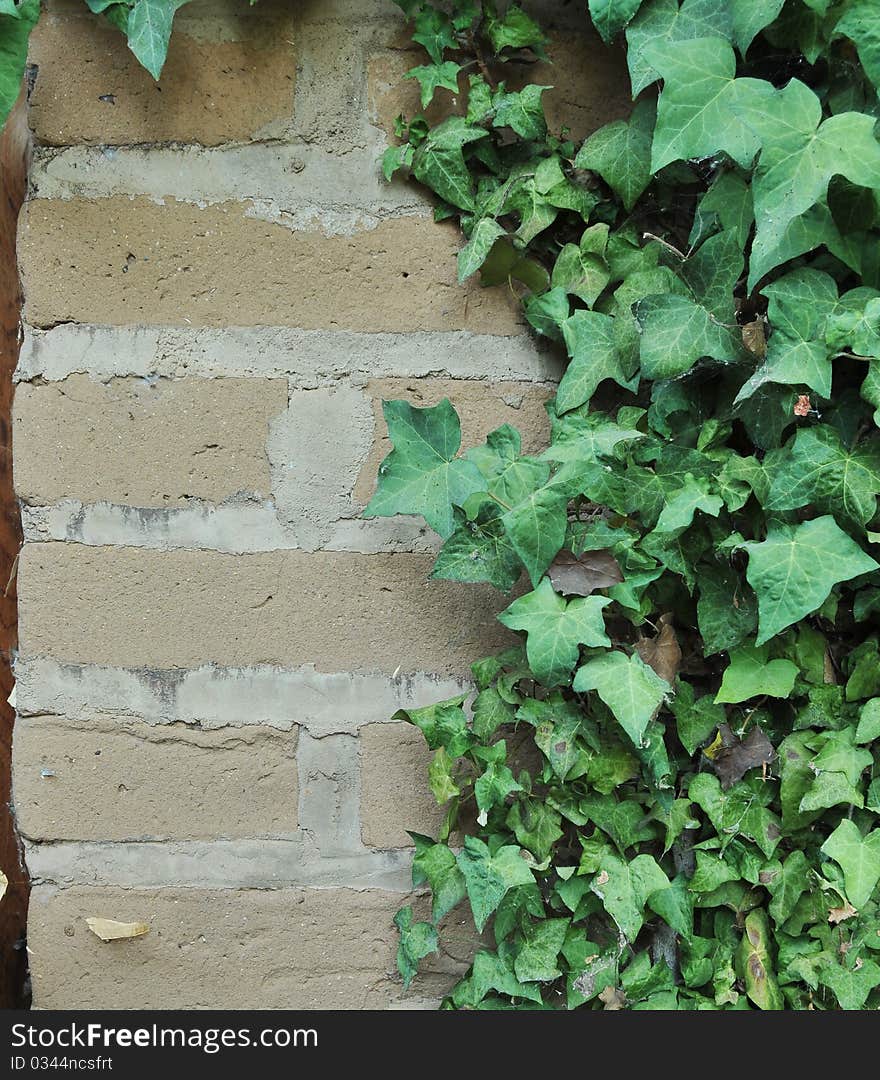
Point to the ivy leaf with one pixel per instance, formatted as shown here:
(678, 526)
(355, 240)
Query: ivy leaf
(488, 876)
(479, 550)
(695, 718)
(421, 475)
(869, 722)
(800, 154)
(15, 29)
(817, 470)
(624, 888)
(515, 30)
(535, 825)
(860, 23)
(440, 777)
(755, 963)
(851, 986)
(595, 354)
(430, 76)
(663, 21)
(692, 495)
(434, 32)
(701, 105)
(522, 111)
(611, 16)
(417, 940)
(149, 30)
(443, 724)
(859, 859)
(727, 610)
(788, 885)
(738, 811)
(675, 905)
(677, 332)
(797, 354)
(436, 864)
(749, 18)
(536, 528)
(495, 783)
(476, 251)
(751, 674)
(555, 629)
(439, 163)
(712, 272)
(795, 568)
(630, 689)
(620, 153)
(536, 959)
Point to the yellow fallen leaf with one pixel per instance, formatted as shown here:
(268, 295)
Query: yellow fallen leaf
(111, 930)
(4, 882)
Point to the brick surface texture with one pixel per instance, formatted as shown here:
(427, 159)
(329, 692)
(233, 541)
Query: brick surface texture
(220, 290)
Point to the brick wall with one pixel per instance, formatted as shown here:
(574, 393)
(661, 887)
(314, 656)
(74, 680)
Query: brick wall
(219, 291)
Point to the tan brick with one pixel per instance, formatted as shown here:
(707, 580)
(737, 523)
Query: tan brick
(134, 781)
(481, 407)
(211, 91)
(290, 948)
(395, 796)
(590, 85)
(121, 261)
(338, 611)
(148, 443)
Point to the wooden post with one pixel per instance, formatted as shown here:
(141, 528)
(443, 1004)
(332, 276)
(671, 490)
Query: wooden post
(14, 146)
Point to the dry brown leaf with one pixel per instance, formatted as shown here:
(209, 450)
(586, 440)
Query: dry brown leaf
(732, 757)
(841, 914)
(111, 930)
(662, 653)
(613, 999)
(803, 406)
(754, 338)
(580, 575)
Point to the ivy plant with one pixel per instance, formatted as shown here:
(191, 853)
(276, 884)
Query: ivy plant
(663, 797)
(146, 25)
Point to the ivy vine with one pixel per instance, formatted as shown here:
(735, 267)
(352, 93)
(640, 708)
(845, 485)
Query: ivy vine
(664, 797)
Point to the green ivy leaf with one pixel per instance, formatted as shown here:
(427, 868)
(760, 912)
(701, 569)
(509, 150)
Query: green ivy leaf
(436, 864)
(434, 32)
(15, 29)
(620, 153)
(488, 876)
(432, 76)
(476, 251)
(538, 954)
(794, 570)
(818, 470)
(858, 857)
(417, 940)
(696, 719)
(555, 629)
(624, 888)
(149, 31)
(596, 354)
(676, 333)
(611, 16)
(522, 112)
(751, 674)
(800, 153)
(860, 22)
(701, 106)
(630, 689)
(515, 30)
(797, 355)
(421, 475)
